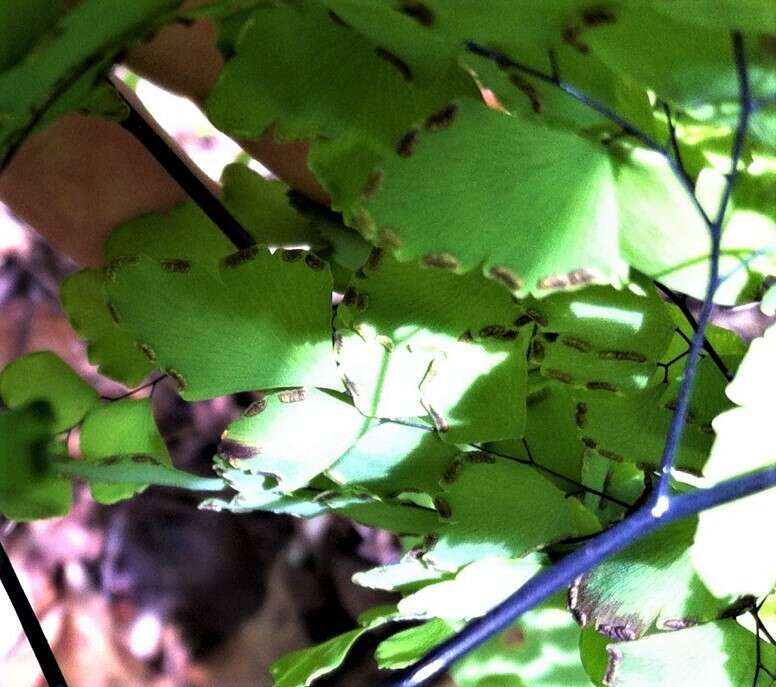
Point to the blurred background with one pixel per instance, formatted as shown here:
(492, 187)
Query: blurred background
(153, 591)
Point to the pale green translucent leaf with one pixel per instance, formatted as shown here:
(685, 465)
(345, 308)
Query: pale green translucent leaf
(263, 322)
(473, 592)
(607, 339)
(390, 458)
(728, 550)
(90, 34)
(44, 376)
(292, 436)
(491, 504)
(768, 303)
(530, 243)
(119, 428)
(29, 490)
(414, 341)
(301, 668)
(110, 348)
(408, 572)
(719, 654)
(408, 646)
(651, 583)
(540, 650)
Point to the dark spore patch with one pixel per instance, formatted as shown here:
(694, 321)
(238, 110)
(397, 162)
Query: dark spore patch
(314, 262)
(406, 145)
(597, 16)
(234, 450)
(396, 61)
(292, 255)
(180, 266)
(419, 12)
(241, 256)
(442, 119)
(531, 93)
(571, 35)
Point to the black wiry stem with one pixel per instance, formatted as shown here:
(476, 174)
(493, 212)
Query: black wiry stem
(52, 673)
(681, 302)
(664, 507)
(136, 124)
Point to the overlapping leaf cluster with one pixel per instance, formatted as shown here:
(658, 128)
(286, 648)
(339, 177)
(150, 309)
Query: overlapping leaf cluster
(495, 379)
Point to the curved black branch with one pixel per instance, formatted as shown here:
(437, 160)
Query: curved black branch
(553, 579)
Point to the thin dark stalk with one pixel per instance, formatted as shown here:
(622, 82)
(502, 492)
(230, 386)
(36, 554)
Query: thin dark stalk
(136, 124)
(52, 673)
(681, 303)
(152, 385)
(551, 580)
(677, 152)
(676, 428)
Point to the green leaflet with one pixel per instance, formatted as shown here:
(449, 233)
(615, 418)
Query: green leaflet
(474, 590)
(408, 573)
(390, 458)
(728, 550)
(262, 322)
(502, 223)
(44, 376)
(413, 341)
(540, 650)
(719, 654)
(408, 646)
(22, 24)
(602, 339)
(610, 422)
(124, 427)
(109, 347)
(29, 490)
(689, 73)
(489, 509)
(300, 668)
(84, 42)
(652, 582)
(292, 436)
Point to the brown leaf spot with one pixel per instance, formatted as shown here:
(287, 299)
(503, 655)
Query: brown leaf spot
(442, 119)
(389, 239)
(241, 256)
(560, 375)
(443, 261)
(292, 255)
(180, 266)
(602, 386)
(506, 276)
(373, 184)
(597, 16)
(314, 262)
(178, 378)
(580, 414)
(231, 450)
(529, 90)
(419, 12)
(537, 350)
(620, 633)
(706, 428)
(350, 297)
(572, 36)
(589, 442)
(677, 623)
(406, 145)
(114, 312)
(117, 263)
(339, 21)
(630, 356)
(522, 320)
(537, 317)
(611, 455)
(292, 395)
(146, 350)
(362, 302)
(375, 258)
(256, 407)
(575, 343)
(395, 61)
(555, 281)
(479, 458)
(452, 471)
(443, 507)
